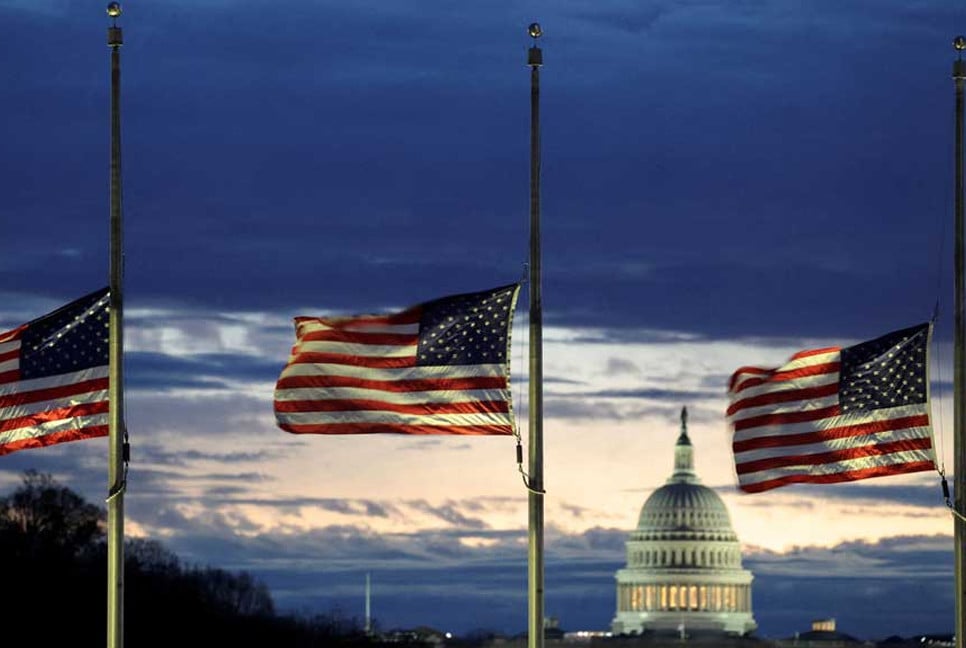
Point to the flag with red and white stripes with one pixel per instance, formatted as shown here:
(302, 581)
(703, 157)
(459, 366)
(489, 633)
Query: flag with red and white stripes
(440, 367)
(835, 414)
(54, 376)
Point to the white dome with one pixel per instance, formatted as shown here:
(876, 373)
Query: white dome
(685, 509)
(683, 570)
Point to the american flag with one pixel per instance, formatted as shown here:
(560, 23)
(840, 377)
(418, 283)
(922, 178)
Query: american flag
(835, 414)
(440, 367)
(54, 376)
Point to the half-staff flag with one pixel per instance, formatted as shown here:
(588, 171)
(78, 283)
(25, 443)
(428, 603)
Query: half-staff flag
(835, 414)
(54, 376)
(439, 367)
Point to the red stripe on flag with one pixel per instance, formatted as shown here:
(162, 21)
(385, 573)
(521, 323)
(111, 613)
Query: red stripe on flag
(388, 428)
(398, 386)
(53, 393)
(761, 371)
(786, 417)
(841, 432)
(12, 334)
(360, 337)
(10, 355)
(835, 478)
(788, 396)
(845, 454)
(63, 436)
(351, 405)
(792, 374)
(60, 414)
(372, 362)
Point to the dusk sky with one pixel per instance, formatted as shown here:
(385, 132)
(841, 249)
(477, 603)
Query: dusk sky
(724, 182)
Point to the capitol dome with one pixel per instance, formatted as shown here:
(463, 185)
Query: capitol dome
(683, 571)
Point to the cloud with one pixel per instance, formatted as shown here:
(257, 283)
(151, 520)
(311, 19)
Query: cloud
(721, 184)
(301, 81)
(413, 573)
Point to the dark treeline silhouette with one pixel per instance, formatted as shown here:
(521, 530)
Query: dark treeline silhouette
(53, 586)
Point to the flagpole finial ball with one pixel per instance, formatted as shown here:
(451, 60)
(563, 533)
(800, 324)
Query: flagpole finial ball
(114, 9)
(960, 43)
(534, 30)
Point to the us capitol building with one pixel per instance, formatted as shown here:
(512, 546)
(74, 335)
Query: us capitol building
(683, 573)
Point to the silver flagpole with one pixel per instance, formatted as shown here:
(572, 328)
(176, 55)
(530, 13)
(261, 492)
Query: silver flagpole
(959, 409)
(368, 610)
(535, 486)
(117, 442)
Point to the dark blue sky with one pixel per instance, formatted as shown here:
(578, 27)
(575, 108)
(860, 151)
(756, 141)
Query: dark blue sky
(722, 183)
(719, 168)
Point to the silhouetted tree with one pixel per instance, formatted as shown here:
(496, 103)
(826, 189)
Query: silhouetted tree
(53, 566)
(49, 541)
(45, 520)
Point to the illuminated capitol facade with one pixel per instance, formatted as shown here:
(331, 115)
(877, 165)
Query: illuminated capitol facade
(683, 571)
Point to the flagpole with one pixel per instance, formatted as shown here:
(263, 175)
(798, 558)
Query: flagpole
(959, 358)
(117, 435)
(368, 615)
(535, 490)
